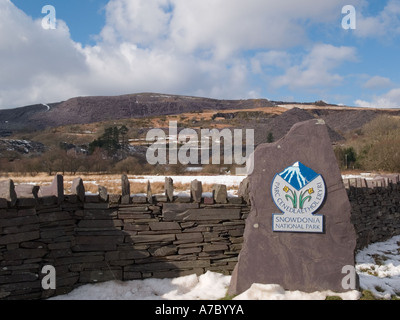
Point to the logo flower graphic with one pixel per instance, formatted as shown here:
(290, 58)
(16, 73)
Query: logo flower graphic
(292, 198)
(304, 199)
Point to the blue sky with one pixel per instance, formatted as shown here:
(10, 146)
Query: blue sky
(286, 50)
(85, 18)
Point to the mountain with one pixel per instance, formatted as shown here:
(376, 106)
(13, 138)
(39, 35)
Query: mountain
(83, 110)
(20, 119)
(264, 116)
(298, 175)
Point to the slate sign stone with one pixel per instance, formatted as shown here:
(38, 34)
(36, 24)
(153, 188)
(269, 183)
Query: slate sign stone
(305, 261)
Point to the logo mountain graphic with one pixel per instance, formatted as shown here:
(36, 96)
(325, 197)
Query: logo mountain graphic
(298, 175)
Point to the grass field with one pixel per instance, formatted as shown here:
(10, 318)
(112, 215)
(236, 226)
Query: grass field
(138, 183)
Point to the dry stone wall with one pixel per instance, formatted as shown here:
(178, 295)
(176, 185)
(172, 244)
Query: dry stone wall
(113, 237)
(95, 238)
(375, 208)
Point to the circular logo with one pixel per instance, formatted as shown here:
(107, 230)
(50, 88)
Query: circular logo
(298, 190)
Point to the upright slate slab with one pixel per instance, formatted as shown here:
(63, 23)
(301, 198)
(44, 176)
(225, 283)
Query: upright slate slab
(7, 191)
(56, 188)
(78, 188)
(126, 189)
(291, 256)
(196, 190)
(169, 188)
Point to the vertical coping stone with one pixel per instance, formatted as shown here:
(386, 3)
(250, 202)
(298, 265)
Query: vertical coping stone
(220, 193)
(27, 191)
(78, 188)
(196, 190)
(7, 191)
(103, 193)
(169, 189)
(149, 193)
(56, 188)
(244, 190)
(126, 189)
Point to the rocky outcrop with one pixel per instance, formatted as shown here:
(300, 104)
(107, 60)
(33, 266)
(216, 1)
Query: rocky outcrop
(21, 146)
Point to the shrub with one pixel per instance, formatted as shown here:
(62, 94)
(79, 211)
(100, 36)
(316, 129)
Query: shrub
(381, 148)
(346, 157)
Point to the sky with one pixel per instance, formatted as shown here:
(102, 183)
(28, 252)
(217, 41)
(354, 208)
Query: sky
(285, 50)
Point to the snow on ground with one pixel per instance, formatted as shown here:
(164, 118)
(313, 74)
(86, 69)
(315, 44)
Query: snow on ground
(220, 179)
(228, 180)
(366, 175)
(209, 286)
(378, 267)
(276, 292)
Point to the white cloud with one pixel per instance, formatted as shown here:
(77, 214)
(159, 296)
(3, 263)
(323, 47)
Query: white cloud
(127, 68)
(174, 46)
(216, 27)
(141, 22)
(226, 26)
(316, 68)
(377, 82)
(390, 99)
(273, 58)
(223, 27)
(36, 64)
(384, 24)
(41, 66)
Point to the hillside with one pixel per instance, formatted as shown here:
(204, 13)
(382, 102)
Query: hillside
(63, 132)
(90, 115)
(83, 110)
(256, 113)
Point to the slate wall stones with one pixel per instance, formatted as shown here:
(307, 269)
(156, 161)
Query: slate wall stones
(297, 261)
(106, 238)
(375, 209)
